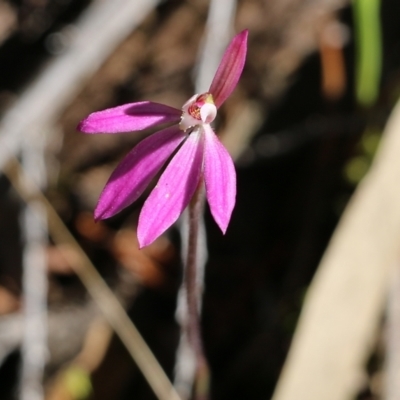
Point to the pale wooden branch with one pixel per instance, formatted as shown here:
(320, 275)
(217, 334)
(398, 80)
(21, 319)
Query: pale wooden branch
(392, 365)
(97, 288)
(346, 298)
(98, 32)
(34, 349)
(102, 27)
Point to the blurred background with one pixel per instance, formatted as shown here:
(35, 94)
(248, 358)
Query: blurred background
(303, 125)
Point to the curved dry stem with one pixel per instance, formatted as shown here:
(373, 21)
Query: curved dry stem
(97, 288)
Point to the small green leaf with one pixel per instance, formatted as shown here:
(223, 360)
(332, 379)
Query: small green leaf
(78, 383)
(356, 169)
(370, 142)
(368, 50)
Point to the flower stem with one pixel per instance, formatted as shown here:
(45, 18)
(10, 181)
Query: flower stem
(193, 293)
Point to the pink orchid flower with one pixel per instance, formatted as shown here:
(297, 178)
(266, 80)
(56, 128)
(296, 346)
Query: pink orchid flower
(198, 153)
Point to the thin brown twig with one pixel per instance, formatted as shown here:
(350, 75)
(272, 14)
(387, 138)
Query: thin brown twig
(95, 285)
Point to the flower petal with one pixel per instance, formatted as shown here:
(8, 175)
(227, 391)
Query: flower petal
(129, 117)
(220, 179)
(230, 69)
(136, 170)
(208, 112)
(173, 191)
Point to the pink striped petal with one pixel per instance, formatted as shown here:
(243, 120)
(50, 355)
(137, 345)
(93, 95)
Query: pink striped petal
(230, 69)
(136, 170)
(220, 179)
(173, 191)
(129, 117)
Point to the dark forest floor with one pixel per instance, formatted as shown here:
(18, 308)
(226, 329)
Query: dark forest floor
(293, 183)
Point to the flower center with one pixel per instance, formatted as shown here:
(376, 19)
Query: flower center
(198, 110)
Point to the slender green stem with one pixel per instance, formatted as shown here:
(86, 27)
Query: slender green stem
(368, 49)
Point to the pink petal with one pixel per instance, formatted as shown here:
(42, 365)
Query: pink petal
(173, 191)
(129, 117)
(230, 69)
(220, 179)
(136, 170)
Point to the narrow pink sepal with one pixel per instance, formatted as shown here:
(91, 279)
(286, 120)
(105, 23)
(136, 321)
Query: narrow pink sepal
(173, 191)
(220, 179)
(136, 170)
(129, 117)
(230, 69)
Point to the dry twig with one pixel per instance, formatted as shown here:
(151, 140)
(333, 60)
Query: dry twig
(98, 289)
(96, 36)
(34, 227)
